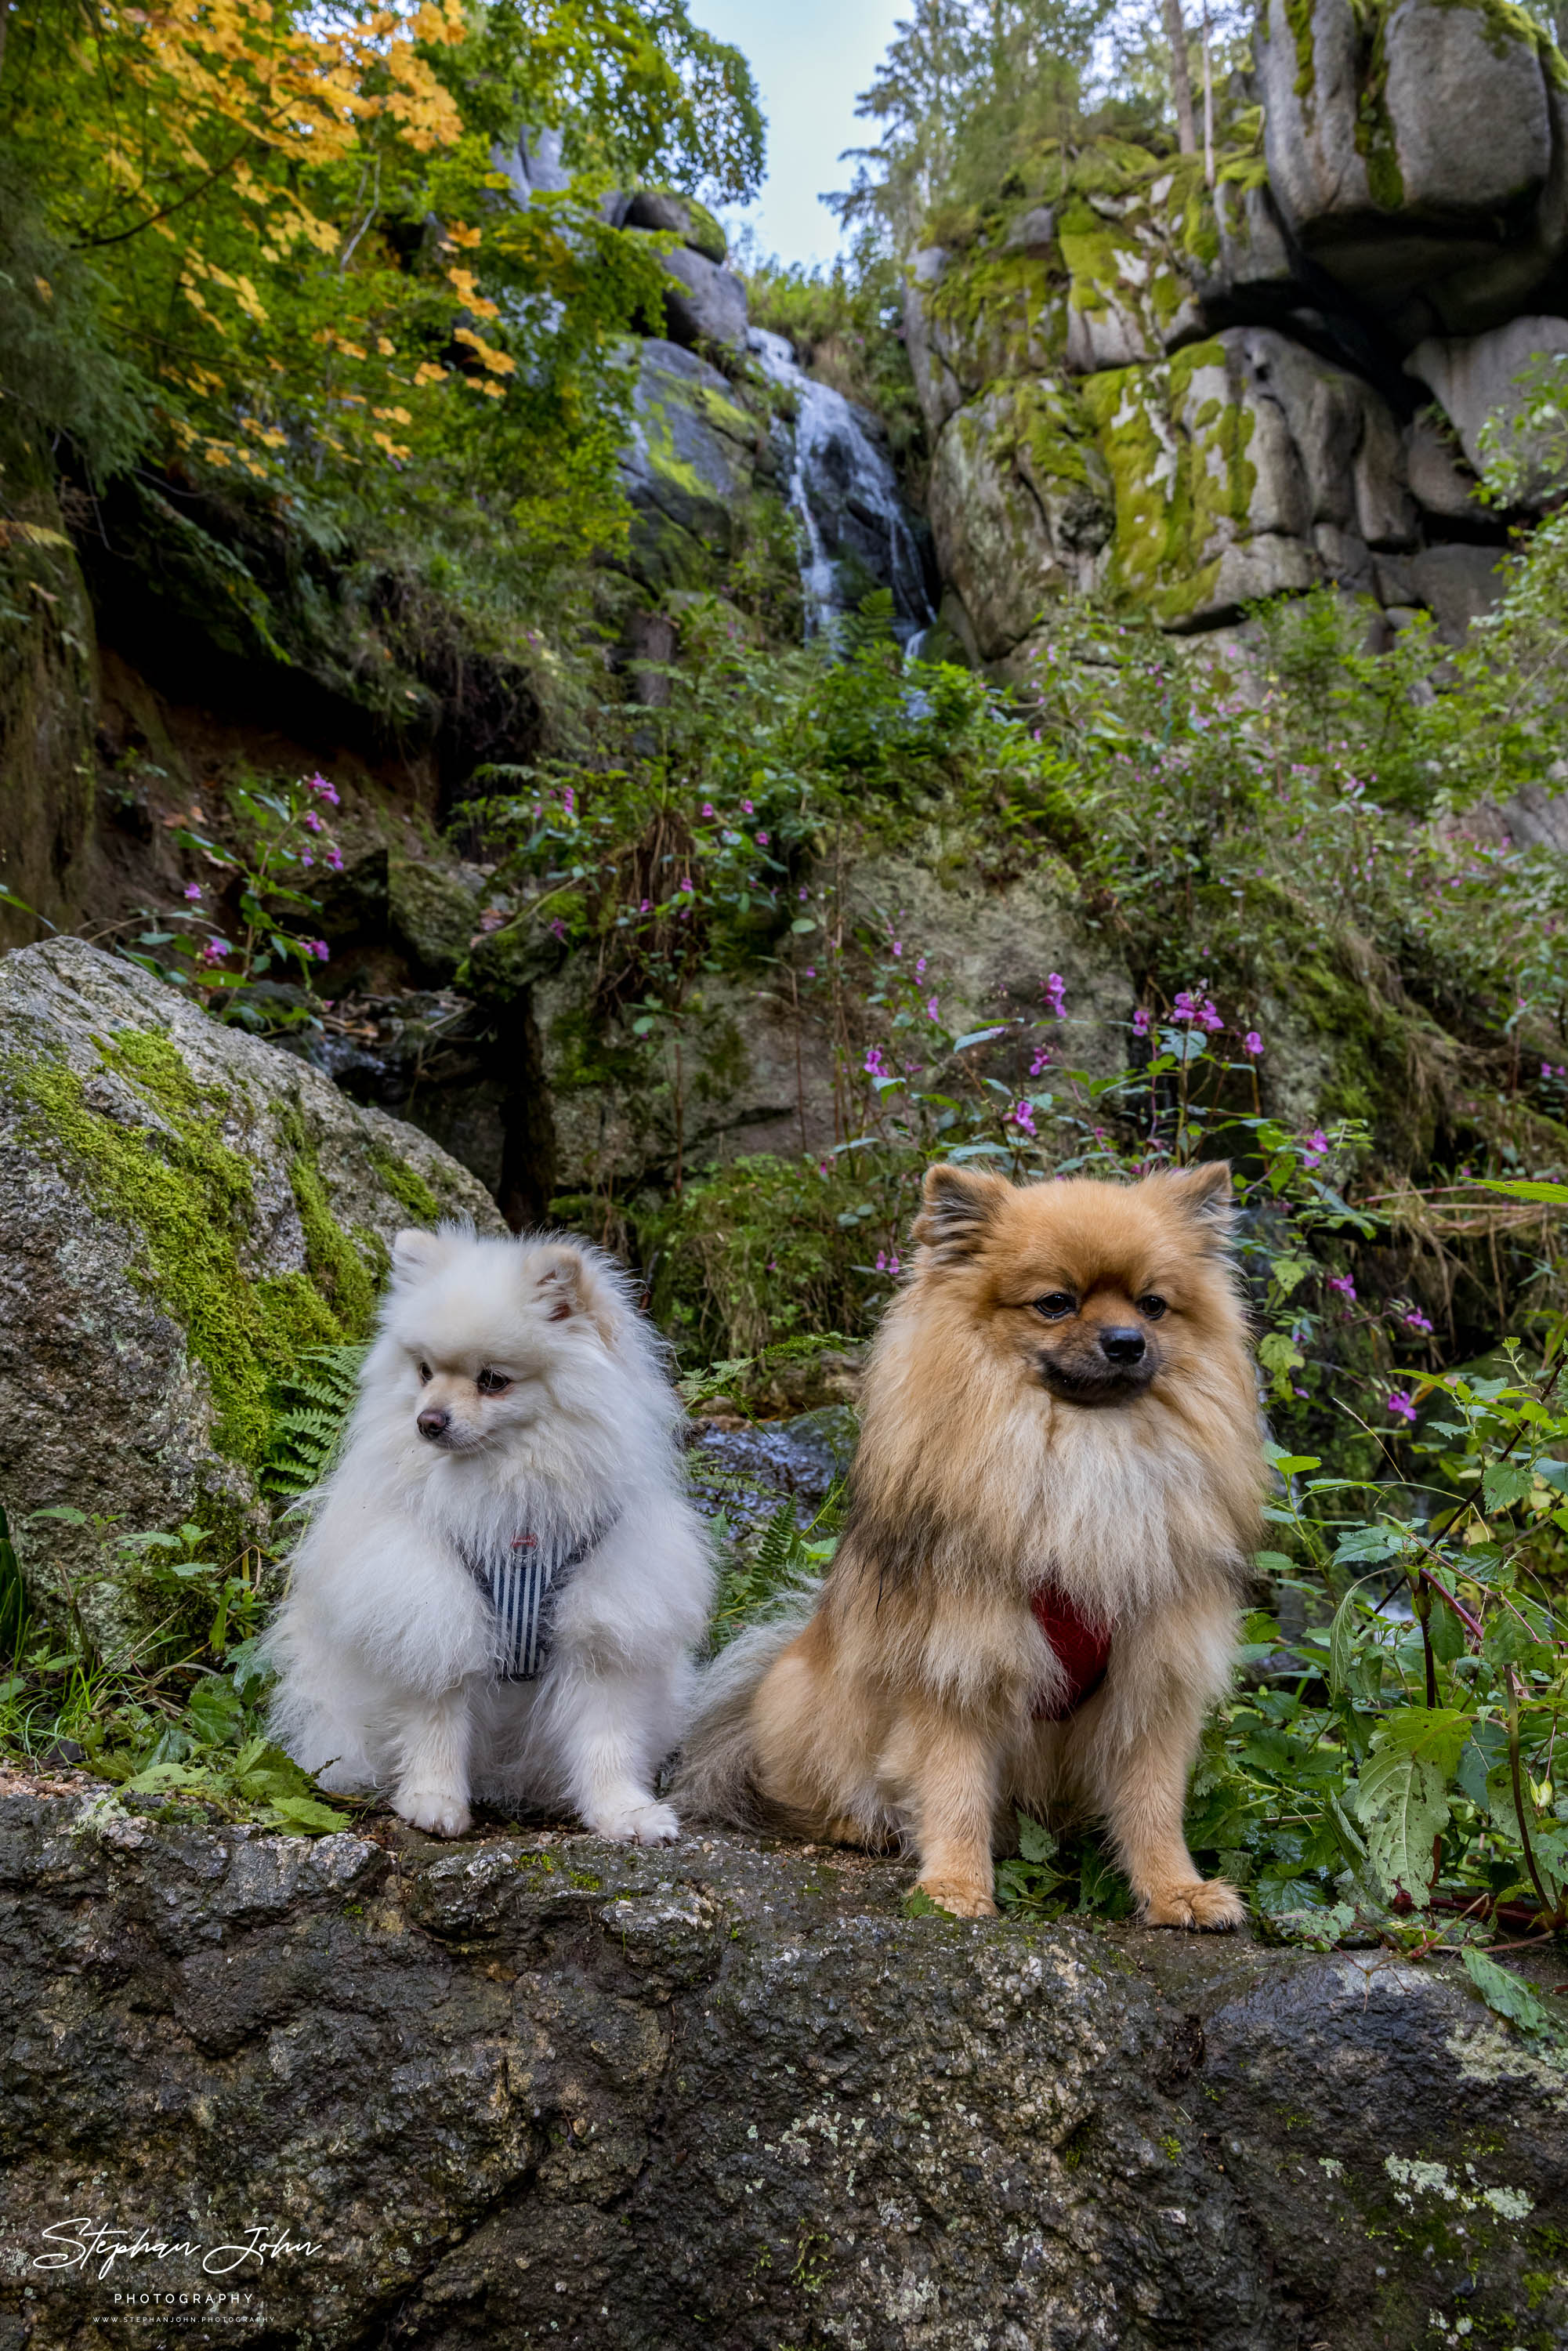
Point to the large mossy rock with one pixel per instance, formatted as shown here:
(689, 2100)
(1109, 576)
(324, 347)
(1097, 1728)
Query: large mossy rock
(534, 2089)
(691, 467)
(187, 1210)
(1416, 153)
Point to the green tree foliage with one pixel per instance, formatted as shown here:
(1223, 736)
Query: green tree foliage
(278, 246)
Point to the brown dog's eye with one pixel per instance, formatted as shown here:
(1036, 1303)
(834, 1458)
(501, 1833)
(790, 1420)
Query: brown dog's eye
(1151, 1308)
(423, 1373)
(1056, 1305)
(492, 1383)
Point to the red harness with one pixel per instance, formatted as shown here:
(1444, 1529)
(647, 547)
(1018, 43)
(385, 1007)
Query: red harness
(1082, 1649)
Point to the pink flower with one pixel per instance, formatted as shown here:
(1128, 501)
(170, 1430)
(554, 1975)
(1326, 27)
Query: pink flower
(311, 819)
(335, 860)
(1022, 1114)
(193, 890)
(803, 896)
(319, 783)
(873, 1063)
(810, 971)
(686, 883)
(216, 950)
(762, 840)
(1252, 1043)
(1041, 1061)
(931, 1007)
(558, 928)
(1343, 1284)
(707, 808)
(898, 947)
(1054, 991)
(1546, 1068)
(1141, 1021)
(1185, 1007)
(646, 907)
(569, 800)
(919, 967)
(306, 858)
(748, 809)
(1209, 1017)
(1416, 1321)
(1399, 1402)
(318, 948)
(1315, 1147)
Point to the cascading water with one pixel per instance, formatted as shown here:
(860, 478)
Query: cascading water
(844, 489)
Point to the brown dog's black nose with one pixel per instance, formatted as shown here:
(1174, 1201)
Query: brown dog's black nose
(433, 1424)
(1122, 1343)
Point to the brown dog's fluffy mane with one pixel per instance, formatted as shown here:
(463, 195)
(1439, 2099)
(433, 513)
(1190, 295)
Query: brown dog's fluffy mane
(972, 1474)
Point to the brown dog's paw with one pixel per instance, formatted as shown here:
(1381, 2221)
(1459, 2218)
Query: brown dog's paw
(1205, 1903)
(959, 1895)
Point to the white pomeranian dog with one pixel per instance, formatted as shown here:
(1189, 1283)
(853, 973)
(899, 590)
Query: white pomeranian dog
(503, 1582)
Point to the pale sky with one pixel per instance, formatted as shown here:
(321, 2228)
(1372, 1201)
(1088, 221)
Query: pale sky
(810, 58)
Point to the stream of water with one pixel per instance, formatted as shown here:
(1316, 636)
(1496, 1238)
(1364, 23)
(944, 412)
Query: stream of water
(844, 489)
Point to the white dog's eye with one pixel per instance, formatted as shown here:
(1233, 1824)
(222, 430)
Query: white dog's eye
(491, 1383)
(424, 1373)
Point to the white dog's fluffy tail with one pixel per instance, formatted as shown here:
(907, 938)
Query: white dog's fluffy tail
(714, 1777)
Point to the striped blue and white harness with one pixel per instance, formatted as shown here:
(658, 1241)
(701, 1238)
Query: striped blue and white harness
(523, 1584)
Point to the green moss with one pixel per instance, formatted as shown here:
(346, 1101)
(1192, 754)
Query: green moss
(407, 1187)
(1005, 313)
(188, 1197)
(1299, 16)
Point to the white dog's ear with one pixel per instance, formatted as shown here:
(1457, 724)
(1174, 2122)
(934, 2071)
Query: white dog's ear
(416, 1254)
(566, 1284)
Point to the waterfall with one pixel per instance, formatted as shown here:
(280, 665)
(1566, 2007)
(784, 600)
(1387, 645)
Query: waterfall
(844, 489)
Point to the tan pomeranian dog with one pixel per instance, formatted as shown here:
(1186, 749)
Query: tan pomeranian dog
(1054, 1509)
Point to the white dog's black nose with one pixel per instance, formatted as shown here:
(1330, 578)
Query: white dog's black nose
(1119, 1341)
(433, 1424)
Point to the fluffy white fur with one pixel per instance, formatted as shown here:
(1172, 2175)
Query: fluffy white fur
(384, 1643)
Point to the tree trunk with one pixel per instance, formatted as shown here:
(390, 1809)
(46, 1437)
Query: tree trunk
(1181, 79)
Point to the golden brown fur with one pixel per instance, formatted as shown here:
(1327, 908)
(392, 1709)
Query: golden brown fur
(1004, 1448)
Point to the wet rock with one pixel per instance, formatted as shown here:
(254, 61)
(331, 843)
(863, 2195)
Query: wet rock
(747, 1468)
(689, 468)
(532, 2088)
(187, 1209)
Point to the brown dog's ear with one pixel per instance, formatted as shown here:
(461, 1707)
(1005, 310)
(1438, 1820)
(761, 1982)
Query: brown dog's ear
(1202, 1193)
(957, 1204)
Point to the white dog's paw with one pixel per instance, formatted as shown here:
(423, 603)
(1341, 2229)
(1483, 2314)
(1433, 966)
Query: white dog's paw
(435, 1810)
(638, 1821)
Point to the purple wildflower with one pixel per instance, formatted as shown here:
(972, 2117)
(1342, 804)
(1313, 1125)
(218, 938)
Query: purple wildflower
(1343, 1284)
(1054, 991)
(1022, 1114)
(311, 819)
(1141, 1021)
(873, 1068)
(1399, 1402)
(1252, 1043)
(1315, 1147)
(1414, 1320)
(318, 948)
(193, 890)
(328, 792)
(216, 950)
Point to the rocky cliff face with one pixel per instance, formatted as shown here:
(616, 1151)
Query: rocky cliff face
(542, 2090)
(1200, 397)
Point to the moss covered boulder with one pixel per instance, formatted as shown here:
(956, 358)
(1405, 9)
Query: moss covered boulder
(187, 1211)
(1416, 153)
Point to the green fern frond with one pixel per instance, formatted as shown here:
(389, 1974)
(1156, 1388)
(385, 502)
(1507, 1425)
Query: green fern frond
(308, 1425)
